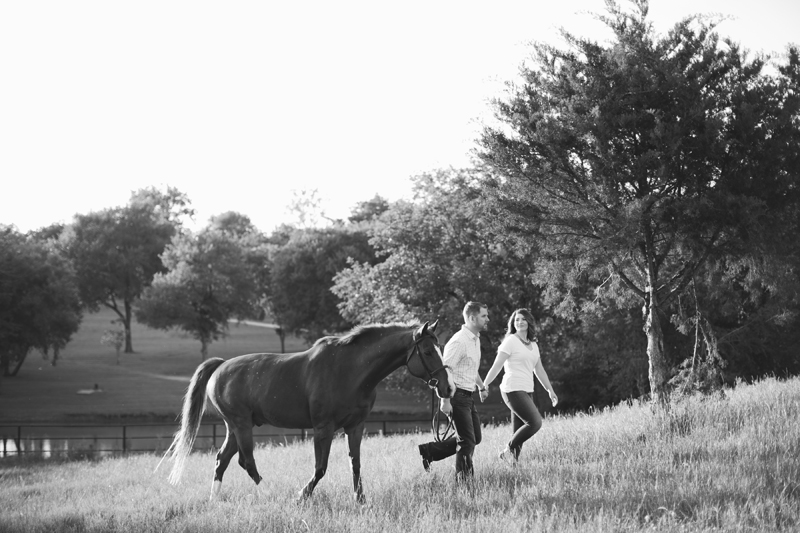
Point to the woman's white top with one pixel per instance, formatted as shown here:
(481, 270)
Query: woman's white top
(518, 368)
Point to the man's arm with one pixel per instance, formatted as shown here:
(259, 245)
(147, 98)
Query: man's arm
(453, 352)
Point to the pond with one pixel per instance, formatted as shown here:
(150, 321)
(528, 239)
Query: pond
(96, 441)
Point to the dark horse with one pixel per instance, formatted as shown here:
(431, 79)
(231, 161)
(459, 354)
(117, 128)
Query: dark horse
(330, 386)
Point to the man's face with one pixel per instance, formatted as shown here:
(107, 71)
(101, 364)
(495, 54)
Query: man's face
(481, 320)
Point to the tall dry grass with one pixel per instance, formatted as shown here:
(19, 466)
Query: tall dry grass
(723, 463)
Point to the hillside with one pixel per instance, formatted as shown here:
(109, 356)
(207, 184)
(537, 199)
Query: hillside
(728, 462)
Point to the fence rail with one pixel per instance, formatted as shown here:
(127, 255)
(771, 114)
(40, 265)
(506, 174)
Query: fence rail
(101, 440)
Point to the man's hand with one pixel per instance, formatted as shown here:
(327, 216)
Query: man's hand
(445, 407)
(484, 393)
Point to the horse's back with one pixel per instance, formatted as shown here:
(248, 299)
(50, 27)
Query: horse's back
(263, 388)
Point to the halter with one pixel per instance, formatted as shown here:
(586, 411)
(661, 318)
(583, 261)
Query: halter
(432, 382)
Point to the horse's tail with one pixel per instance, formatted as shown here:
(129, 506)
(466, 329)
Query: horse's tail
(194, 404)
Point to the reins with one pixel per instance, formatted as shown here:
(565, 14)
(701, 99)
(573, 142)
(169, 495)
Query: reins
(436, 426)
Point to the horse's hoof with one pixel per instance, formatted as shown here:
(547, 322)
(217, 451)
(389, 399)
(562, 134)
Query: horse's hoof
(360, 498)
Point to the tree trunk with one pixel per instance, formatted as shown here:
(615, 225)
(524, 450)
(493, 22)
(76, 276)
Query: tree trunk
(203, 349)
(658, 369)
(127, 323)
(19, 360)
(282, 336)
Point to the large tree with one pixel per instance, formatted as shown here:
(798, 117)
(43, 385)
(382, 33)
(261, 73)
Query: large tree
(302, 272)
(116, 252)
(39, 304)
(631, 164)
(211, 278)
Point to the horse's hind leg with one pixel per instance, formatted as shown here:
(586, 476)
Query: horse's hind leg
(354, 435)
(224, 456)
(323, 437)
(244, 436)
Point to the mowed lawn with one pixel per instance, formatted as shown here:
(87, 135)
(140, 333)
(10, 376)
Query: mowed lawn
(149, 383)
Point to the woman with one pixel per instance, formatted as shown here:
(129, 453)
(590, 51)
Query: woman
(518, 356)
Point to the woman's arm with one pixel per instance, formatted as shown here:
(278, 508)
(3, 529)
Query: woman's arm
(541, 375)
(496, 366)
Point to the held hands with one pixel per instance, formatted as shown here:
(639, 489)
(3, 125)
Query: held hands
(553, 398)
(484, 393)
(445, 407)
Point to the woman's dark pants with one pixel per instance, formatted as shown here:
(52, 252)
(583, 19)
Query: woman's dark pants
(525, 418)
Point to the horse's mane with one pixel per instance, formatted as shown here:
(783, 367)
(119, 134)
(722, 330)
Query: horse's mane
(359, 332)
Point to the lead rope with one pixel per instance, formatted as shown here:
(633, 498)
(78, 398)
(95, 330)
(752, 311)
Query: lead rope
(436, 427)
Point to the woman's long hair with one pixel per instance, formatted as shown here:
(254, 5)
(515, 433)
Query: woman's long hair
(528, 318)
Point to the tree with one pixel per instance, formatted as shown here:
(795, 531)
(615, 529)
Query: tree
(630, 166)
(438, 252)
(116, 252)
(209, 280)
(307, 209)
(302, 272)
(114, 338)
(39, 305)
(369, 210)
(743, 318)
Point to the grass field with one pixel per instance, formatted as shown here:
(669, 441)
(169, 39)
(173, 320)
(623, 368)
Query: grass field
(724, 463)
(148, 384)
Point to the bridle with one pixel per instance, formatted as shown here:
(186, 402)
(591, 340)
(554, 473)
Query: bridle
(432, 382)
(438, 435)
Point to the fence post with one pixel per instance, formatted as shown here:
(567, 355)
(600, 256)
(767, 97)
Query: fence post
(19, 441)
(124, 436)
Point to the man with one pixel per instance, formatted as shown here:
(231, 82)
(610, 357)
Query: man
(463, 355)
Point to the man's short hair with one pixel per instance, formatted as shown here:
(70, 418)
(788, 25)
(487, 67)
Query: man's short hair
(472, 309)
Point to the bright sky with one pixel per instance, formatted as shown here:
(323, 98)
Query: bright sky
(239, 103)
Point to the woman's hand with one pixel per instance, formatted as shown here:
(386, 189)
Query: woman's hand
(553, 398)
(484, 393)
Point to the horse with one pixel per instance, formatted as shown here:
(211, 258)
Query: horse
(328, 387)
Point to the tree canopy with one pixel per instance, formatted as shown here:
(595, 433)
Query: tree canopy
(630, 165)
(116, 252)
(39, 305)
(211, 278)
(437, 253)
(302, 272)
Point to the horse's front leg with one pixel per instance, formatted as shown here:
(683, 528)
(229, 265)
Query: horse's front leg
(354, 435)
(323, 437)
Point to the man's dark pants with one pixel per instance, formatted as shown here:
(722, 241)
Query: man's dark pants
(468, 435)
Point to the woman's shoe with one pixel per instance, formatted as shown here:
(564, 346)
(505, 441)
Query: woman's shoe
(507, 455)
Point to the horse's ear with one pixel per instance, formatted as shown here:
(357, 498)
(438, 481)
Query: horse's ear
(421, 331)
(433, 326)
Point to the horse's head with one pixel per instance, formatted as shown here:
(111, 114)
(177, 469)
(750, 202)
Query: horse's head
(425, 361)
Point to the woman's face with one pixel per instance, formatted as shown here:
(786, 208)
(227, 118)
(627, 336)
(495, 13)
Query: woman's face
(520, 323)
